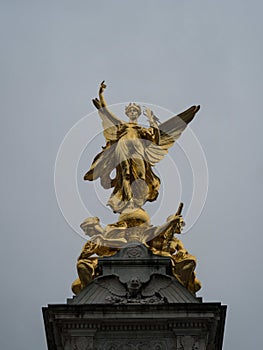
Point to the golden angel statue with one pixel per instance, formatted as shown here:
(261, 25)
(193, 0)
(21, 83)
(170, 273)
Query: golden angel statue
(132, 150)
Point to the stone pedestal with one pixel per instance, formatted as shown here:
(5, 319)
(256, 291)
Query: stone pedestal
(135, 305)
(196, 326)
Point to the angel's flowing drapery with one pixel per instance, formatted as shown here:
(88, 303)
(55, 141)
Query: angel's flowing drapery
(134, 182)
(132, 150)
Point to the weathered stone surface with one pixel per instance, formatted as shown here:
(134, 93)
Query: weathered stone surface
(136, 276)
(134, 260)
(160, 289)
(165, 326)
(134, 305)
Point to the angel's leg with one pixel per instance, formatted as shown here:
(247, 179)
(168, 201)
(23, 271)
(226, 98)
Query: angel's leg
(122, 156)
(126, 180)
(139, 186)
(138, 168)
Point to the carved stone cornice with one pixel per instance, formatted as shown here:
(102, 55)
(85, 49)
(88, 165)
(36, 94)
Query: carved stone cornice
(174, 325)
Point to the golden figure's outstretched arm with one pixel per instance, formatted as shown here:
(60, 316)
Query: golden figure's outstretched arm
(105, 114)
(100, 103)
(101, 96)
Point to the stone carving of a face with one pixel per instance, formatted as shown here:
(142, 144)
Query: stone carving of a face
(134, 286)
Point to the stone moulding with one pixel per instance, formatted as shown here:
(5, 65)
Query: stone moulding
(174, 326)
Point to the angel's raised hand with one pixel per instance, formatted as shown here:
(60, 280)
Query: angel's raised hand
(102, 87)
(148, 113)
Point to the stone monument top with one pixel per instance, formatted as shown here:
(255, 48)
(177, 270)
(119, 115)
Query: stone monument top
(132, 151)
(136, 282)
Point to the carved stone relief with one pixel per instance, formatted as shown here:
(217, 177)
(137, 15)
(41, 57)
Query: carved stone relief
(146, 344)
(79, 343)
(134, 252)
(187, 342)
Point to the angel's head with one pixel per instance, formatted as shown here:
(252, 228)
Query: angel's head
(133, 111)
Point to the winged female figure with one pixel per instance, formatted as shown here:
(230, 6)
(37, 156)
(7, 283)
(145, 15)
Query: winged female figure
(132, 150)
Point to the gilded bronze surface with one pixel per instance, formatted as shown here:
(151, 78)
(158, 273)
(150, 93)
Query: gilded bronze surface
(160, 240)
(133, 150)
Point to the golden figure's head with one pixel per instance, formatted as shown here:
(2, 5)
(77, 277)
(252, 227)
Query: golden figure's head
(133, 111)
(88, 225)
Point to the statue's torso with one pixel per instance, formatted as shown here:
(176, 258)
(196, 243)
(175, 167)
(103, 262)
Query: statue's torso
(130, 139)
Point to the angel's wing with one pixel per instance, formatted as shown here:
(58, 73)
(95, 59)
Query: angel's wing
(102, 165)
(170, 131)
(110, 121)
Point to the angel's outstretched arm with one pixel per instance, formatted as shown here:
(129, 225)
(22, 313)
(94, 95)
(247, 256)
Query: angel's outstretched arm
(101, 105)
(101, 96)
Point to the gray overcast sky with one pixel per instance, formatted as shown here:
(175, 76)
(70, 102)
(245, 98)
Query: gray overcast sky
(169, 53)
